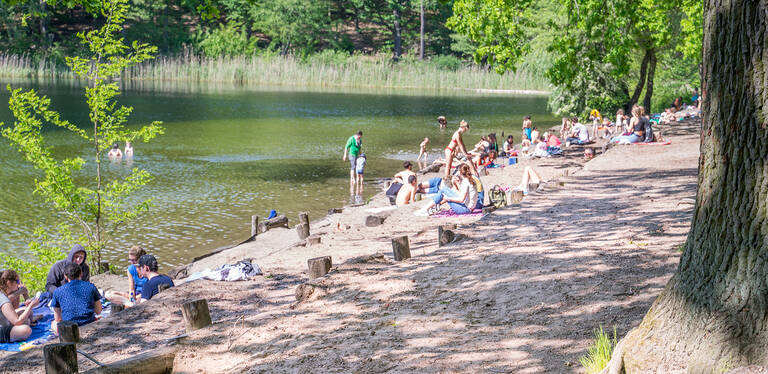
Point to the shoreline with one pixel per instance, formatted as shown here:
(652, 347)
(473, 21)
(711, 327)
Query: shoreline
(521, 291)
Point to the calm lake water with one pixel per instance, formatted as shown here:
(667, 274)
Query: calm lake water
(230, 152)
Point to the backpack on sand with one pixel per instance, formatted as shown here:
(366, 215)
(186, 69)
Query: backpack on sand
(498, 197)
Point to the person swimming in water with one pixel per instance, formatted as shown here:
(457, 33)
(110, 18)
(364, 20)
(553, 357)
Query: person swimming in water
(115, 153)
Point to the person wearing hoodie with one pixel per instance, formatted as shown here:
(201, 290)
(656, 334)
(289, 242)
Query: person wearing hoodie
(56, 275)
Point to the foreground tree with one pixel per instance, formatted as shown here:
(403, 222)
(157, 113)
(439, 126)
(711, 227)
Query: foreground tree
(712, 315)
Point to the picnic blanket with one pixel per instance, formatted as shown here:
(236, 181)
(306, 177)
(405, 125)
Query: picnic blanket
(450, 213)
(242, 270)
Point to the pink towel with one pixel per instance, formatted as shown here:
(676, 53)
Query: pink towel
(450, 213)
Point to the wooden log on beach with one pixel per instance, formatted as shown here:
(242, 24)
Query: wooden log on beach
(69, 332)
(302, 230)
(319, 266)
(335, 211)
(162, 287)
(254, 226)
(401, 248)
(445, 234)
(489, 209)
(60, 358)
(279, 221)
(373, 221)
(116, 308)
(312, 240)
(434, 168)
(196, 314)
(156, 361)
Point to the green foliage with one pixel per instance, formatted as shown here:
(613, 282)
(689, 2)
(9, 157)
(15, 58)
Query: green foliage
(99, 207)
(227, 40)
(329, 57)
(449, 63)
(593, 88)
(497, 27)
(46, 252)
(599, 353)
(292, 25)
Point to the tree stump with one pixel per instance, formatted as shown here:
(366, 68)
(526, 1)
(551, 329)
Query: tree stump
(69, 332)
(279, 221)
(116, 308)
(196, 314)
(312, 240)
(60, 358)
(103, 267)
(445, 235)
(335, 211)
(514, 197)
(319, 266)
(401, 248)
(254, 225)
(303, 230)
(304, 217)
(373, 221)
(162, 287)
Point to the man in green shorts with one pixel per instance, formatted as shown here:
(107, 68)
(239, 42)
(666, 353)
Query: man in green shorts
(354, 144)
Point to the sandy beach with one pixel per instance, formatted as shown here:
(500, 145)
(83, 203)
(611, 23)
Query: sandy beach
(521, 292)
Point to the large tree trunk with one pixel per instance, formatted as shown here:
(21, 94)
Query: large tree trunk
(649, 81)
(398, 35)
(641, 81)
(421, 40)
(712, 315)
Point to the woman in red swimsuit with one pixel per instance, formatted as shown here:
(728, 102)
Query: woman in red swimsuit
(456, 144)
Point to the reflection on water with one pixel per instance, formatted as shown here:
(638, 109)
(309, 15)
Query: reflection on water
(230, 152)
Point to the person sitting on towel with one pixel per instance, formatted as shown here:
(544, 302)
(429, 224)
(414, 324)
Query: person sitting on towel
(148, 269)
(14, 327)
(76, 301)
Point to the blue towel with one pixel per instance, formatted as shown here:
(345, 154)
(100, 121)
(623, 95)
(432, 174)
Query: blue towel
(41, 332)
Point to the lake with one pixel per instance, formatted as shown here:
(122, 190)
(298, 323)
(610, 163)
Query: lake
(230, 152)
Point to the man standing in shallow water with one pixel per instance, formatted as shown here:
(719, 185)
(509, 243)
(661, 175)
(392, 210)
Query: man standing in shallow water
(354, 144)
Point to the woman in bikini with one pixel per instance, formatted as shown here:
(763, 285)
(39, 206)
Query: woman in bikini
(456, 146)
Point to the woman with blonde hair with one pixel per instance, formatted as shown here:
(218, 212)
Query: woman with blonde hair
(638, 128)
(456, 146)
(13, 327)
(135, 280)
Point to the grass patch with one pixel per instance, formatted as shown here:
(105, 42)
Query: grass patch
(599, 353)
(346, 71)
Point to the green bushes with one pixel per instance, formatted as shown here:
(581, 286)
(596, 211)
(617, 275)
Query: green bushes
(599, 353)
(228, 40)
(447, 62)
(46, 252)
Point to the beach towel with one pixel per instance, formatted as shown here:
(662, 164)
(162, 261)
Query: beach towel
(242, 270)
(41, 332)
(450, 213)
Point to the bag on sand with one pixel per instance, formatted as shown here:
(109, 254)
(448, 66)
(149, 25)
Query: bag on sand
(392, 192)
(498, 197)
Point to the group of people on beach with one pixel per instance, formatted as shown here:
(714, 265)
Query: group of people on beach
(70, 295)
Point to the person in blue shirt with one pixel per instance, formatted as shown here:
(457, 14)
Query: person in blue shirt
(76, 301)
(136, 281)
(148, 269)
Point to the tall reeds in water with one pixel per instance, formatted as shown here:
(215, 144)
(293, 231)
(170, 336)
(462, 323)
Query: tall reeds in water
(350, 71)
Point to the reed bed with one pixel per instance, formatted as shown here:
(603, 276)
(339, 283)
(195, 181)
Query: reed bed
(352, 71)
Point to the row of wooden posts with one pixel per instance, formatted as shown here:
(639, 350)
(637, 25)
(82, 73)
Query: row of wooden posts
(61, 358)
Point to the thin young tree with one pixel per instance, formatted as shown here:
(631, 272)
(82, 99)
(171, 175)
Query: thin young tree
(101, 205)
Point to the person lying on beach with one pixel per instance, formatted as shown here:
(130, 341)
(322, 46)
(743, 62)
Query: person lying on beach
(433, 185)
(459, 200)
(407, 193)
(589, 153)
(148, 269)
(14, 326)
(423, 150)
(77, 301)
(456, 146)
(115, 152)
(56, 276)
(529, 176)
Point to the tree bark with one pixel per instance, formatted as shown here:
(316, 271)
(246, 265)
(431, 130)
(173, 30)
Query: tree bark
(421, 40)
(641, 81)
(398, 35)
(713, 313)
(649, 82)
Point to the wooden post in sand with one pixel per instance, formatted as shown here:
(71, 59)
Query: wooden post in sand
(303, 227)
(401, 248)
(60, 358)
(68, 332)
(313, 240)
(254, 225)
(279, 221)
(196, 314)
(319, 266)
(445, 235)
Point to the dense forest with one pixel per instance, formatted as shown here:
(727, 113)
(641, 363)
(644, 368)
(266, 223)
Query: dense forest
(603, 54)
